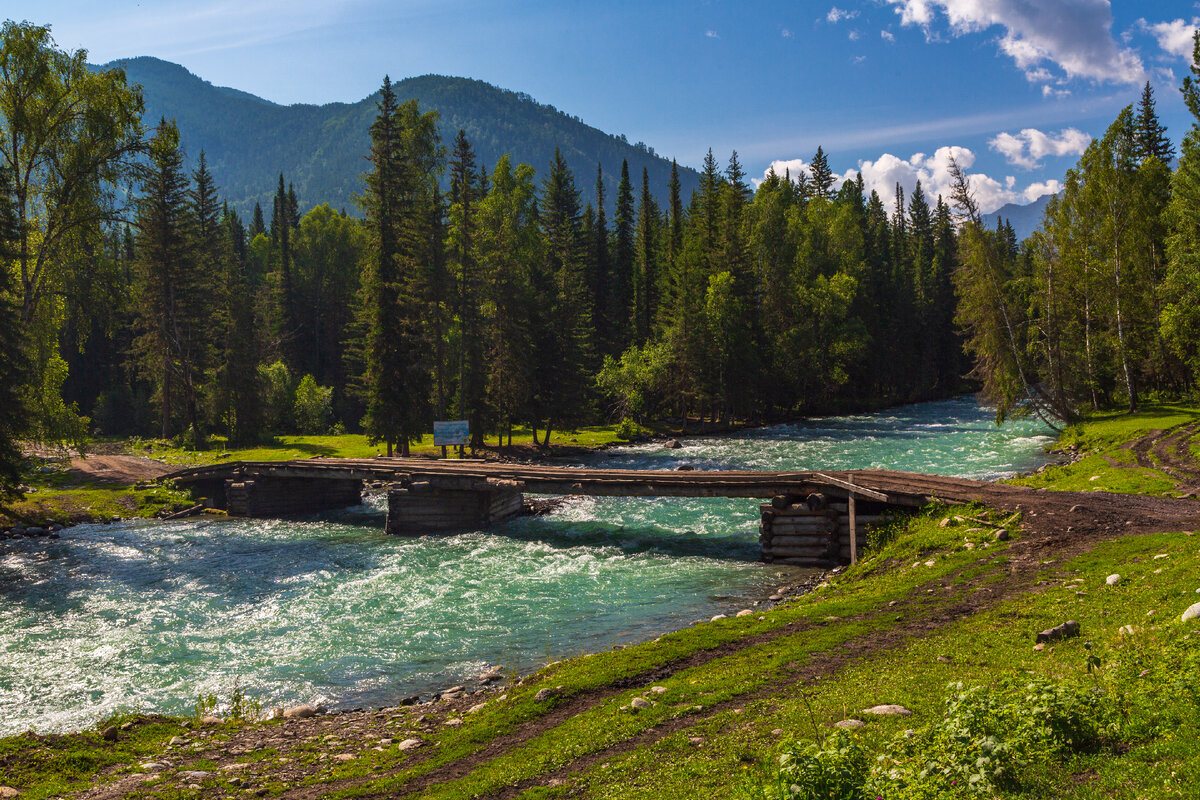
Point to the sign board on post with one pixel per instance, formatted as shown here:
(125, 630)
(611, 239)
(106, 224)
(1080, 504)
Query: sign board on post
(454, 432)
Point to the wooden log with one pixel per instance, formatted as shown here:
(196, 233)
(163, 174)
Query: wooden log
(853, 533)
(788, 541)
(806, 552)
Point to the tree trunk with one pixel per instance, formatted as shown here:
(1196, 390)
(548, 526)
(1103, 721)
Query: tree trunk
(389, 448)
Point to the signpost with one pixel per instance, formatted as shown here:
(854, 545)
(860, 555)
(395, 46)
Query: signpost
(453, 432)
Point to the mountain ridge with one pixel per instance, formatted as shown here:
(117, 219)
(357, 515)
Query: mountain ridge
(249, 140)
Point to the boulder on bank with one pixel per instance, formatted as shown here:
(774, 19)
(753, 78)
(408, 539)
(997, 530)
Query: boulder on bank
(300, 712)
(1066, 630)
(888, 710)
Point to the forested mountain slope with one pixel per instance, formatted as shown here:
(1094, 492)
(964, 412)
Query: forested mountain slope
(320, 149)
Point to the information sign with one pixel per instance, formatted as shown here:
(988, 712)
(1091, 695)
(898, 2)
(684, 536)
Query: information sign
(453, 432)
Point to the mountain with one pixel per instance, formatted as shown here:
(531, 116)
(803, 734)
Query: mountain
(1024, 219)
(248, 141)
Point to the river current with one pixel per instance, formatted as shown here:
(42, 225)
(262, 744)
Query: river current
(144, 616)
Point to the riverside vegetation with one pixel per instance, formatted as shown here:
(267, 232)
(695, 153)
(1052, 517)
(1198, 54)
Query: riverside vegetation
(939, 619)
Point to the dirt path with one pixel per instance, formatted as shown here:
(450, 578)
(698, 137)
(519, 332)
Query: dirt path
(117, 470)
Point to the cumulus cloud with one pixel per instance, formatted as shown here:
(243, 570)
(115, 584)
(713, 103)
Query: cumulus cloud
(1073, 35)
(1174, 37)
(836, 15)
(933, 171)
(1027, 148)
(887, 36)
(712, 34)
(785, 33)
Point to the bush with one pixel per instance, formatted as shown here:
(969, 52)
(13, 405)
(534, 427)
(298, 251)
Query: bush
(278, 396)
(628, 429)
(313, 406)
(836, 769)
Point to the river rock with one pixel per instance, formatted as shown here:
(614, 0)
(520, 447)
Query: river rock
(1001, 535)
(110, 733)
(775, 598)
(1113, 580)
(888, 710)
(300, 712)
(7, 792)
(545, 694)
(411, 744)
(454, 723)
(344, 757)
(1193, 612)
(639, 703)
(1127, 630)
(673, 444)
(194, 774)
(491, 677)
(150, 766)
(176, 741)
(658, 689)
(719, 616)
(849, 723)
(1065, 630)
(745, 612)
(477, 707)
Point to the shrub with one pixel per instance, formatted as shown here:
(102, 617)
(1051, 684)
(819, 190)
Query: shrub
(833, 770)
(313, 406)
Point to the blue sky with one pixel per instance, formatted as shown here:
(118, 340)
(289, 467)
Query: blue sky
(887, 87)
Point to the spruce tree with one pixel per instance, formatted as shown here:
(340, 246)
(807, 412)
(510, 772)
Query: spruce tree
(12, 351)
(561, 332)
(1151, 135)
(822, 176)
(239, 392)
(619, 306)
(164, 278)
(257, 225)
(647, 278)
(462, 251)
(399, 198)
(600, 267)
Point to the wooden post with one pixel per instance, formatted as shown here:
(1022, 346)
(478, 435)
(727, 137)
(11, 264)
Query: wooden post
(853, 532)
(443, 451)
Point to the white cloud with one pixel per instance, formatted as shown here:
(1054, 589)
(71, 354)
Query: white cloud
(836, 15)
(1027, 148)
(854, 36)
(1173, 37)
(1073, 35)
(933, 171)
(712, 34)
(887, 36)
(785, 33)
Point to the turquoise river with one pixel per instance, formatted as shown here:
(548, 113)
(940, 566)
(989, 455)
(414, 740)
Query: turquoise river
(147, 615)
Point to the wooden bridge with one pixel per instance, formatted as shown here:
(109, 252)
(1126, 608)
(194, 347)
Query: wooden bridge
(427, 495)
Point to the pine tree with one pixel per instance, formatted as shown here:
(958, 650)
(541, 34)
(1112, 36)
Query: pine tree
(600, 267)
(1151, 136)
(12, 351)
(257, 226)
(647, 280)
(462, 251)
(561, 331)
(508, 246)
(400, 192)
(287, 329)
(822, 176)
(619, 305)
(165, 278)
(239, 393)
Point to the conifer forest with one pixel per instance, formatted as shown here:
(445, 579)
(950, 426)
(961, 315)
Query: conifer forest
(136, 302)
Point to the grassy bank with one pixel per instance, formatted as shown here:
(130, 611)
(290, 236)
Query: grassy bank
(941, 618)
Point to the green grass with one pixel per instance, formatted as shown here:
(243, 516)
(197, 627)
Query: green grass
(283, 448)
(88, 504)
(47, 766)
(1102, 438)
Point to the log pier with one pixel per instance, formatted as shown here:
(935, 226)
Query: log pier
(426, 495)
